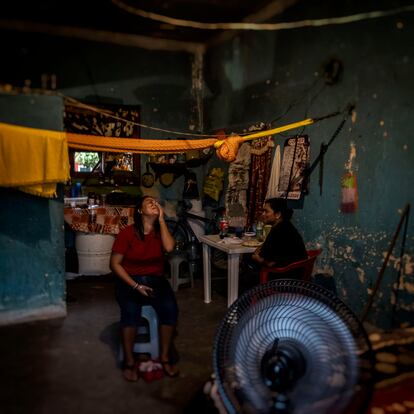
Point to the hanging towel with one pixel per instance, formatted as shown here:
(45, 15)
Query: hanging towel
(33, 160)
(238, 184)
(272, 187)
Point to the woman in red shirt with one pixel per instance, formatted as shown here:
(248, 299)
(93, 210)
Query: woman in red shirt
(138, 261)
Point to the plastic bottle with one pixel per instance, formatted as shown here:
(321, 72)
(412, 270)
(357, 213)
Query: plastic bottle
(193, 255)
(224, 226)
(78, 189)
(259, 231)
(193, 249)
(91, 198)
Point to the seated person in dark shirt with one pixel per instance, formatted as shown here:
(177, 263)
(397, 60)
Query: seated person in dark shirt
(284, 244)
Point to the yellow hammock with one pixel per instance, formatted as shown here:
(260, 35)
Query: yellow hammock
(226, 149)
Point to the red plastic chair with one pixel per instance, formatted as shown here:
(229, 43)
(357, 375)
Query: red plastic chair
(306, 265)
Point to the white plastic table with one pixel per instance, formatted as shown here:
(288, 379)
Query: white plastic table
(233, 261)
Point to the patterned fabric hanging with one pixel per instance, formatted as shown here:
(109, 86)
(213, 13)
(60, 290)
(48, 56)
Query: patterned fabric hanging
(237, 188)
(260, 167)
(273, 184)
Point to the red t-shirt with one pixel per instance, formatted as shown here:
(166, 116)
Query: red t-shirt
(141, 257)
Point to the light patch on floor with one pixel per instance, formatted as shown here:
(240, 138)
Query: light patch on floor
(326, 270)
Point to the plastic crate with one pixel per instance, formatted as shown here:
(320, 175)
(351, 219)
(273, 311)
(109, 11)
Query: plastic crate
(75, 201)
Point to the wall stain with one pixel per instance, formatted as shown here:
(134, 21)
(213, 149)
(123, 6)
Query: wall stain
(347, 249)
(361, 275)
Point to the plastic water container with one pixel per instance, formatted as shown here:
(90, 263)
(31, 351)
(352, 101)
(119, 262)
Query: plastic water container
(196, 225)
(94, 252)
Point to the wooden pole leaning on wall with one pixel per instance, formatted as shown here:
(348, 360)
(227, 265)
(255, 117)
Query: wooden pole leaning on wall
(378, 281)
(400, 269)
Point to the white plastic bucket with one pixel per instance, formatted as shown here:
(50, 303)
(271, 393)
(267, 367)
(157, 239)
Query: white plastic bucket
(94, 253)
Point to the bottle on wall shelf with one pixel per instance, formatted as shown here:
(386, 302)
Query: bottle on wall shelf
(79, 189)
(91, 198)
(76, 190)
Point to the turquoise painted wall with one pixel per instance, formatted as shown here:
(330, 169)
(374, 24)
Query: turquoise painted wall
(264, 76)
(32, 284)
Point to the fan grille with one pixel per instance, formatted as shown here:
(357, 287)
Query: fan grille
(300, 314)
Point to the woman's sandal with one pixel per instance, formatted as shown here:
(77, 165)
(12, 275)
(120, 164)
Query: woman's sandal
(129, 372)
(170, 369)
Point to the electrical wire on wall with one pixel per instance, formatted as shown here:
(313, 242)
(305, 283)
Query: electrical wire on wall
(262, 26)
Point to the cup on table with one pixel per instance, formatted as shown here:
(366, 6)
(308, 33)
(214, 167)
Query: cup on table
(249, 235)
(239, 232)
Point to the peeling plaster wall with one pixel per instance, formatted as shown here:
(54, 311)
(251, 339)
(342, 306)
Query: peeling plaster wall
(264, 76)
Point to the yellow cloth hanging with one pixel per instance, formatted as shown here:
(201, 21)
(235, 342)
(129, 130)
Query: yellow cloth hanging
(33, 160)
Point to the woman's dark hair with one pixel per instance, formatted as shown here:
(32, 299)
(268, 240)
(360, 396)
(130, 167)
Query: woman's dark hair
(139, 227)
(279, 205)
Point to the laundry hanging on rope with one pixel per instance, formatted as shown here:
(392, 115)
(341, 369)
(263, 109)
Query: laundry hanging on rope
(226, 149)
(33, 160)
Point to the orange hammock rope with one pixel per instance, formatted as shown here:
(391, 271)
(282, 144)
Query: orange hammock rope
(226, 149)
(137, 145)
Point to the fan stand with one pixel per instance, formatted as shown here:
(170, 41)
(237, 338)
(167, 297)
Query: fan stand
(281, 367)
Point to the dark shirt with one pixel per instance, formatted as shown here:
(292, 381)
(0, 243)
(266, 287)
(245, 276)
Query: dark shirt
(283, 245)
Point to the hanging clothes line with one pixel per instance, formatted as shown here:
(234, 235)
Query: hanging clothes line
(226, 149)
(135, 145)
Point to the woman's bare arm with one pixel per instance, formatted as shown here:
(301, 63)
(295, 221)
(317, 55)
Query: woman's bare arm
(168, 241)
(118, 269)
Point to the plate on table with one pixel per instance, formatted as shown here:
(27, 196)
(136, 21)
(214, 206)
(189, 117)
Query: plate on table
(231, 240)
(252, 243)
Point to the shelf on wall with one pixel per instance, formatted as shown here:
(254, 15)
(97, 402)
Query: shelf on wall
(178, 168)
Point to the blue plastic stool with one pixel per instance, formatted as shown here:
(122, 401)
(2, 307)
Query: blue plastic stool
(151, 346)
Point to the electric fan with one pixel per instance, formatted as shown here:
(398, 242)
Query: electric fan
(290, 346)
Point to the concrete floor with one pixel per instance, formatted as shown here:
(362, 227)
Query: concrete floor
(70, 365)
